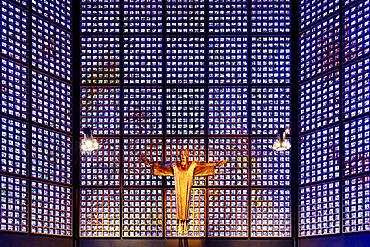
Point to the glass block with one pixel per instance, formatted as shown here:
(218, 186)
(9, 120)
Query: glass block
(14, 89)
(356, 146)
(51, 102)
(58, 11)
(236, 152)
(51, 48)
(312, 11)
(185, 60)
(99, 213)
(14, 204)
(101, 167)
(269, 167)
(51, 209)
(270, 213)
(135, 172)
(228, 110)
(319, 207)
(319, 155)
(14, 148)
(228, 16)
(228, 213)
(142, 16)
(100, 109)
(100, 16)
(142, 60)
(270, 16)
(100, 60)
(319, 101)
(356, 88)
(228, 60)
(185, 110)
(270, 60)
(51, 155)
(142, 110)
(270, 109)
(319, 48)
(14, 31)
(142, 213)
(356, 204)
(197, 213)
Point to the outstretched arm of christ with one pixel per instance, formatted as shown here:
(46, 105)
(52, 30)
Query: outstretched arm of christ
(207, 169)
(158, 168)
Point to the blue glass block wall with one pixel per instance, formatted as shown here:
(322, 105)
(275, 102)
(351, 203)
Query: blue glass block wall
(334, 117)
(35, 117)
(212, 76)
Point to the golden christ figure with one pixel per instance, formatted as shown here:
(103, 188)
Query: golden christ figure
(183, 171)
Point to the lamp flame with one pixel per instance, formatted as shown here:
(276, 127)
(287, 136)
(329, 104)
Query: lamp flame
(281, 144)
(88, 143)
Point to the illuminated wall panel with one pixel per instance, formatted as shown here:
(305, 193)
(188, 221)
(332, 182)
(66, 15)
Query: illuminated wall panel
(270, 60)
(14, 200)
(14, 97)
(268, 167)
(228, 110)
(185, 110)
(270, 16)
(51, 102)
(319, 48)
(101, 168)
(236, 152)
(270, 213)
(356, 204)
(312, 10)
(270, 109)
(99, 16)
(14, 31)
(232, 19)
(319, 101)
(142, 60)
(58, 11)
(228, 213)
(100, 61)
(100, 109)
(142, 110)
(356, 87)
(357, 146)
(135, 172)
(51, 209)
(228, 59)
(197, 213)
(100, 213)
(319, 207)
(14, 139)
(51, 48)
(142, 213)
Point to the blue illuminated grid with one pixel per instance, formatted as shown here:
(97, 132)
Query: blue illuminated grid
(14, 89)
(356, 88)
(356, 30)
(312, 10)
(228, 59)
(319, 48)
(14, 139)
(58, 11)
(100, 61)
(319, 101)
(100, 16)
(228, 213)
(356, 204)
(51, 102)
(142, 60)
(51, 155)
(269, 16)
(319, 155)
(14, 31)
(270, 60)
(14, 201)
(319, 208)
(356, 146)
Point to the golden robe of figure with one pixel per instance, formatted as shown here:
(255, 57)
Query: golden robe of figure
(183, 171)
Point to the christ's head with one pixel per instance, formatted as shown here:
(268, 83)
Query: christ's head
(184, 157)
